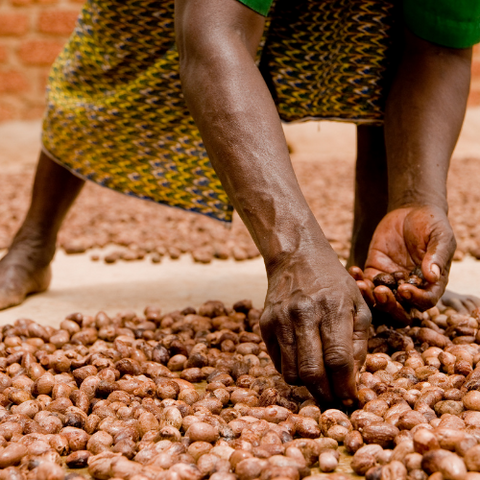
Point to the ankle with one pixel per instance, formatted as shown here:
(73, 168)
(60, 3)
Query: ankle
(36, 245)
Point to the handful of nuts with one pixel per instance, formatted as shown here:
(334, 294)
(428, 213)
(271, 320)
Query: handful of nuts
(395, 279)
(192, 394)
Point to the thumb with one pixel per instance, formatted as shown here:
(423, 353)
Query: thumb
(438, 257)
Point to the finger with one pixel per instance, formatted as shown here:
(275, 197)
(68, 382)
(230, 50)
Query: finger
(366, 291)
(356, 273)
(438, 257)
(337, 343)
(469, 305)
(421, 298)
(361, 326)
(288, 350)
(475, 300)
(270, 339)
(457, 305)
(441, 306)
(386, 302)
(274, 351)
(470, 302)
(311, 368)
(384, 298)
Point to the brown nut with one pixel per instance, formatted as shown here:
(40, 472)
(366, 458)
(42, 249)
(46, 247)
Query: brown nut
(12, 454)
(353, 441)
(381, 434)
(78, 459)
(328, 461)
(202, 432)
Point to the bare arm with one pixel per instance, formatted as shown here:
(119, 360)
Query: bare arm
(315, 321)
(424, 115)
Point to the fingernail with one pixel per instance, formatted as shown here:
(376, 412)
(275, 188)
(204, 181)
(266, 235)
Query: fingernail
(435, 270)
(407, 295)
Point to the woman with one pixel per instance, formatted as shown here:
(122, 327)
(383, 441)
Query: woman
(116, 115)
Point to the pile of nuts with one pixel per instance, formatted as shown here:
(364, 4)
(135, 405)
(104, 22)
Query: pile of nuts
(192, 394)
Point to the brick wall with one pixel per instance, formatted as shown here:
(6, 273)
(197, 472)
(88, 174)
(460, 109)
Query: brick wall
(32, 33)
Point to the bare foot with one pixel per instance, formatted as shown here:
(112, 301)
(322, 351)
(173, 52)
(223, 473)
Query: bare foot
(24, 270)
(461, 303)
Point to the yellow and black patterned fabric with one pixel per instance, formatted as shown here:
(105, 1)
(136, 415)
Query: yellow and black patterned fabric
(116, 115)
(329, 59)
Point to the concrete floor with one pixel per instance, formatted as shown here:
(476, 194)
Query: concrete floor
(82, 285)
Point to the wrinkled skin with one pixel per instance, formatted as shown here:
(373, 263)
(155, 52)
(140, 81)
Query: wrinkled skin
(314, 322)
(423, 118)
(315, 325)
(312, 330)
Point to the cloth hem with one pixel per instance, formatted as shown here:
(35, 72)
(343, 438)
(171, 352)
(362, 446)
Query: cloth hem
(226, 223)
(355, 121)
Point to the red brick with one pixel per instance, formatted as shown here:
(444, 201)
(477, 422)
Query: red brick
(3, 54)
(39, 52)
(57, 22)
(13, 24)
(20, 3)
(12, 81)
(7, 112)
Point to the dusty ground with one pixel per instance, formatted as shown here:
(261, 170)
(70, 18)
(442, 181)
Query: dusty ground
(320, 152)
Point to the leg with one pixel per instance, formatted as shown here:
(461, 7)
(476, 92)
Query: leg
(371, 191)
(25, 269)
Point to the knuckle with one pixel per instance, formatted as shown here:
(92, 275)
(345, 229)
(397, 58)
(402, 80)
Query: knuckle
(338, 358)
(275, 323)
(363, 319)
(267, 320)
(309, 373)
(286, 337)
(300, 306)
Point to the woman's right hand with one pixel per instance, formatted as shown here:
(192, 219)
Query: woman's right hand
(315, 324)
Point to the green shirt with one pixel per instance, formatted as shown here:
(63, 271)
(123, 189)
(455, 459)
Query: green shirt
(452, 23)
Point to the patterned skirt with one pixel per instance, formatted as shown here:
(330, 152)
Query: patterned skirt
(116, 113)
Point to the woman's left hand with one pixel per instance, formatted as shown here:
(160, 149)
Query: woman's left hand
(406, 238)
